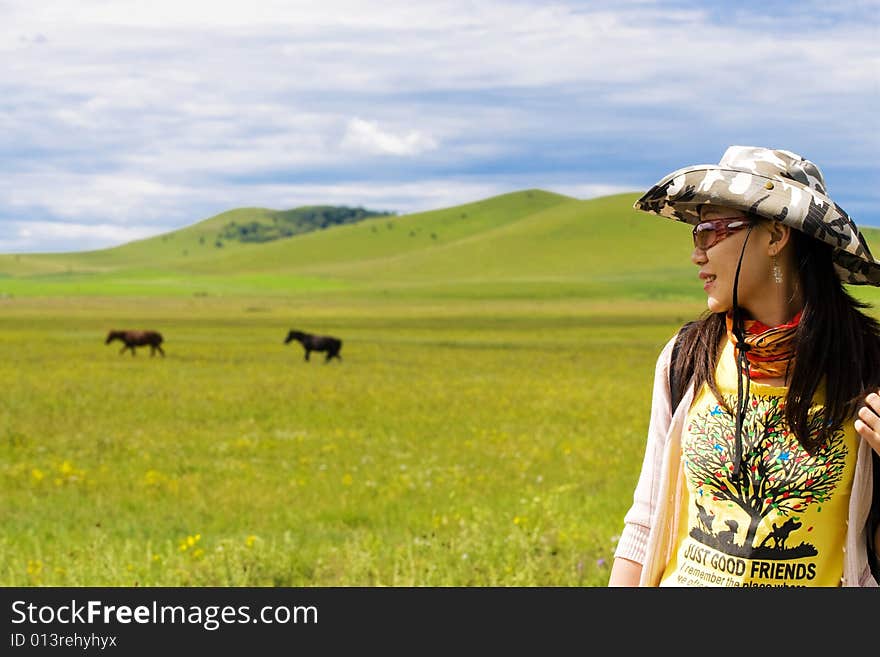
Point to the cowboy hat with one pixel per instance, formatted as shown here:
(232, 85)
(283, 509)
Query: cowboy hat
(774, 184)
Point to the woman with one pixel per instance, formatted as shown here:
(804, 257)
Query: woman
(765, 473)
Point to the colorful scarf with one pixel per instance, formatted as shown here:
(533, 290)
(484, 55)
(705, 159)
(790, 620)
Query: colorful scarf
(770, 348)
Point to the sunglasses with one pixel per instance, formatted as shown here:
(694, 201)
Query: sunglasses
(708, 233)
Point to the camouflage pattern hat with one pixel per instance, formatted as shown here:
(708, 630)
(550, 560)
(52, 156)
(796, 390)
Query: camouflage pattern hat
(775, 184)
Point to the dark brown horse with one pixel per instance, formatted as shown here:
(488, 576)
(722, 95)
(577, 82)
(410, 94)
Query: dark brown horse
(132, 339)
(316, 343)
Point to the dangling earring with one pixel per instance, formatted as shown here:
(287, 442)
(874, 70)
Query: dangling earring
(777, 271)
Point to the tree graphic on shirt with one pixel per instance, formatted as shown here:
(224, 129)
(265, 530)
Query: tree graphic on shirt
(777, 475)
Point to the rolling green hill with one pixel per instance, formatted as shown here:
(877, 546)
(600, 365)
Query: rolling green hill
(529, 244)
(206, 239)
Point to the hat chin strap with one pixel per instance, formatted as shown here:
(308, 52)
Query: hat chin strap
(742, 365)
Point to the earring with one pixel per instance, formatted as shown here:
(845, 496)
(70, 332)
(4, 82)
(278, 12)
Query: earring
(777, 271)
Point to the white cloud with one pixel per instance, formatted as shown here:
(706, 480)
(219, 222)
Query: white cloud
(368, 137)
(53, 236)
(130, 113)
(90, 199)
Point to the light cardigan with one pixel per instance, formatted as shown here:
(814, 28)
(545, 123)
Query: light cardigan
(651, 523)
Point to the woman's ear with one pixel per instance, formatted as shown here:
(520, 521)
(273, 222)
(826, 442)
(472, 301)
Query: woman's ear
(779, 235)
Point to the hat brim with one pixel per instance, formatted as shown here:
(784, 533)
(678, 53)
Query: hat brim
(680, 194)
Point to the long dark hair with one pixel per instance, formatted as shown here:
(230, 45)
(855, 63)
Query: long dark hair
(835, 341)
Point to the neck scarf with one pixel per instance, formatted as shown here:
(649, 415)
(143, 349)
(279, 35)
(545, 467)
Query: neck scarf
(769, 349)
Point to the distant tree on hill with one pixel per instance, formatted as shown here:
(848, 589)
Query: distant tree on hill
(288, 223)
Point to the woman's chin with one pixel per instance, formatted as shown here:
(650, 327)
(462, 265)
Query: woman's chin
(717, 306)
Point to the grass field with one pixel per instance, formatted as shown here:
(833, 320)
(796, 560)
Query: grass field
(456, 444)
(485, 427)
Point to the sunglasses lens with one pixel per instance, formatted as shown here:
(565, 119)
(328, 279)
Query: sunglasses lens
(704, 236)
(709, 233)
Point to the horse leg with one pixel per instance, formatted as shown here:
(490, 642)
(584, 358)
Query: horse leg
(307, 353)
(161, 351)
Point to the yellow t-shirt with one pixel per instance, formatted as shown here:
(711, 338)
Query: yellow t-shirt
(783, 523)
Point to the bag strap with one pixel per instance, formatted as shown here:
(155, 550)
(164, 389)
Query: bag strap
(874, 518)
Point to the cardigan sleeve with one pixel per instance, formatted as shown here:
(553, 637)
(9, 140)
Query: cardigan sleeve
(637, 521)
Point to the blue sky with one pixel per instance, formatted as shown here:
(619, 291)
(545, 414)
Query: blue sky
(122, 119)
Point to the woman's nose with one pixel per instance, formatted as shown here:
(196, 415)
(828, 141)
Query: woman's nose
(698, 256)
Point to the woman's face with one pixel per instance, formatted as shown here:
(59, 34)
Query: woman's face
(717, 265)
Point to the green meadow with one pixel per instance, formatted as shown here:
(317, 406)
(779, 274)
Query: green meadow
(484, 428)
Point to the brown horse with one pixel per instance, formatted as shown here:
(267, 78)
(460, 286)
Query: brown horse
(316, 343)
(132, 339)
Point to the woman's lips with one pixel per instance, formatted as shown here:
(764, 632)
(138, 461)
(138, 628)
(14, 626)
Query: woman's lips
(707, 279)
